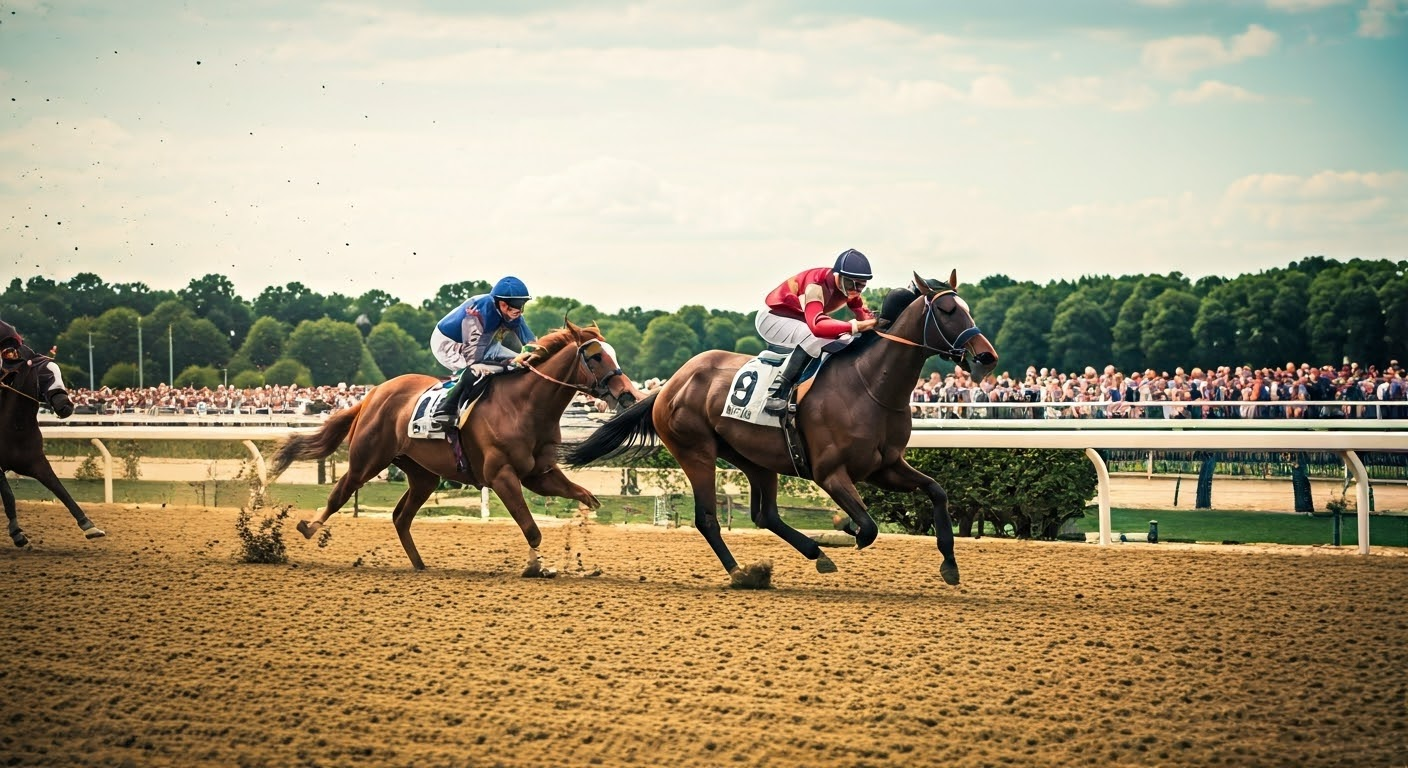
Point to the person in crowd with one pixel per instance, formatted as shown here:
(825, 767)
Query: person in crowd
(797, 315)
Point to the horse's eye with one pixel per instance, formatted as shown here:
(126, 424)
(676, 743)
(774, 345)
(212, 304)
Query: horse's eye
(595, 358)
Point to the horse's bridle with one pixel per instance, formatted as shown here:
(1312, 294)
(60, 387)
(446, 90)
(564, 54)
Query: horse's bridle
(955, 350)
(599, 387)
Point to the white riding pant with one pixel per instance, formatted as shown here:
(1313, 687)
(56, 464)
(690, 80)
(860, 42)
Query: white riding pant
(790, 332)
(457, 355)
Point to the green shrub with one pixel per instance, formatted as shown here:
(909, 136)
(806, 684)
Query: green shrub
(88, 470)
(1034, 491)
(264, 543)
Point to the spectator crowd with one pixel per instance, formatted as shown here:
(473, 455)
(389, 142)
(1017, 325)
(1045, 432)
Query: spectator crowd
(1295, 391)
(1226, 392)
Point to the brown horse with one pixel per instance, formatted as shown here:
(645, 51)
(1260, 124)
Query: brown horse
(510, 438)
(854, 420)
(24, 385)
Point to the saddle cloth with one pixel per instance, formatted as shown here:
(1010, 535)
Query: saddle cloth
(422, 425)
(755, 382)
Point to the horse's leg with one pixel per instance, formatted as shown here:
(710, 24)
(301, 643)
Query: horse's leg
(44, 473)
(555, 483)
(900, 476)
(8, 496)
(356, 476)
(506, 485)
(762, 507)
(420, 483)
(839, 487)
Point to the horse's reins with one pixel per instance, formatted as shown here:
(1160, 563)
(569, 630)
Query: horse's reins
(25, 395)
(956, 349)
(594, 391)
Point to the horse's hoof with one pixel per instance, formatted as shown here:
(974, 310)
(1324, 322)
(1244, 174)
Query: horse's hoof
(306, 529)
(21, 540)
(825, 564)
(950, 573)
(94, 533)
(536, 570)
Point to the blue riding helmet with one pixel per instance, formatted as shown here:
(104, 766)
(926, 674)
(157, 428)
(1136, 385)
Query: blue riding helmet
(852, 263)
(511, 291)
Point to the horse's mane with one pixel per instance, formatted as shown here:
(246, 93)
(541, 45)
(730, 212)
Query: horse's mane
(896, 301)
(551, 342)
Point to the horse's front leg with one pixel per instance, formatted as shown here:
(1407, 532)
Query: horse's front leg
(44, 473)
(509, 488)
(900, 476)
(8, 496)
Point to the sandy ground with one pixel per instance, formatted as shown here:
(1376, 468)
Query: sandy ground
(157, 646)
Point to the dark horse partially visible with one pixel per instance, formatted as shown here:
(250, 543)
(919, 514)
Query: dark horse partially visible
(26, 381)
(510, 437)
(855, 422)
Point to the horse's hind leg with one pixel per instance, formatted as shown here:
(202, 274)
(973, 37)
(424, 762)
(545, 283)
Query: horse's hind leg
(45, 475)
(420, 483)
(341, 492)
(762, 507)
(8, 496)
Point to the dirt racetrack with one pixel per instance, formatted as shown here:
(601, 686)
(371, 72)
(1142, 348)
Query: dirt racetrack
(156, 646)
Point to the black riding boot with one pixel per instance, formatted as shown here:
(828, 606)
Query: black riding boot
(791, 369)
(450, 406)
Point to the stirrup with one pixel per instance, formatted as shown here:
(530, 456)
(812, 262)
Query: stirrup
(779, 405)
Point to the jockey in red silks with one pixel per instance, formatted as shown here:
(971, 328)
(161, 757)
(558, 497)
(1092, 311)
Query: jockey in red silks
(797, 314)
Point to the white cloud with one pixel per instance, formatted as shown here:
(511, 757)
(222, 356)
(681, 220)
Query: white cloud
(1214, 91)
(1303, 6)
(1379, 17)
(1364, 213)
(1176, 57)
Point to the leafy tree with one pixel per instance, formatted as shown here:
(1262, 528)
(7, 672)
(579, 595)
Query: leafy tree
(213, 297)
(89, 295)
(395, 352)
(417, 322)
(40, 330)
(291, 304)
(1167, 334)
(331, 349)
(722, 332)
(1393, 298)
(1022, 340)
(265, 342)
(991, 312)
(1127, 337)
(694, 316)
(114, 340)
(367, 371)
(625, 339)
(668, 344)
(1215, 329)
(247, 380)
(638, 317)
(749, 345)
(120, 376)
(453, 295)
(287, 371)
(1080, 334)
(374, 303)
(199, 377)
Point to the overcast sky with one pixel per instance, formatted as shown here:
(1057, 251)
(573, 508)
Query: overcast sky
(668, 153)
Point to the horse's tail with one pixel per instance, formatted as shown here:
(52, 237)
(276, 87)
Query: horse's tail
(630, 432)
(317, 445)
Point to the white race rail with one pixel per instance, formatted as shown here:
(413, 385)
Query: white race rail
(1346, 437)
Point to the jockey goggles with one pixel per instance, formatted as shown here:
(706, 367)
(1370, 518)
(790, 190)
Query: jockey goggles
(852, 284)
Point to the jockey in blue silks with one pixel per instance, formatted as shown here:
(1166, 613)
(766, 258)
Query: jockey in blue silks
(471, 340)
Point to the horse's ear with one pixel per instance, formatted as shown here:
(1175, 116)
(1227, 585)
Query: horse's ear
(922, 285)
(953, 279)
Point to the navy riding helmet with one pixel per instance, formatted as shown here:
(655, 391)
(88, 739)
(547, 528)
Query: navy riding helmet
(511, 291)
(853, 264)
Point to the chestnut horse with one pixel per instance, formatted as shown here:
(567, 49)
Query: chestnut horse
(22, 388)
(855, 422)
(510, 437)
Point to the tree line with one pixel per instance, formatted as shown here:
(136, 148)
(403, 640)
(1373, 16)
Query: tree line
(1317, 310)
